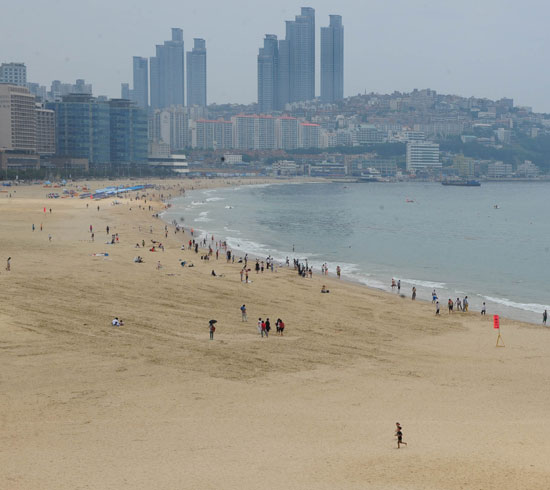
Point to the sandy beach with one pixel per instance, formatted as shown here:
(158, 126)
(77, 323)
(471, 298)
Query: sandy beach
(155, 404)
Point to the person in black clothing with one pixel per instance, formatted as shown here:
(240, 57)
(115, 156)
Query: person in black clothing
(399, 434)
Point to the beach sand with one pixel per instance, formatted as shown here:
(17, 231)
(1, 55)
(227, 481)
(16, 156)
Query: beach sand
(156, 405)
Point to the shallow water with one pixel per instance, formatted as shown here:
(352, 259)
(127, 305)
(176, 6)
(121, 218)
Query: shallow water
(452, 239)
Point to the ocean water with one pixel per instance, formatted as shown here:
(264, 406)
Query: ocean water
(430, 236)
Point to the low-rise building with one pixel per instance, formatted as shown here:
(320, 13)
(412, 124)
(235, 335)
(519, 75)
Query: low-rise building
(174, 163)
(285, 167)
(499, 170)
(233, 159)
(328, 169)
(527, 170)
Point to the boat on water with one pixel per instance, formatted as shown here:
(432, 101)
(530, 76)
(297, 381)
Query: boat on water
(371, 175)
(462, 183)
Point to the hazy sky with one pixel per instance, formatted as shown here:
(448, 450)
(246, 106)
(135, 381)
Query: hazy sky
(486, 48)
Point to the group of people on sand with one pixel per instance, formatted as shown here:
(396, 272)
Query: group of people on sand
(264, 326)
(461, 305)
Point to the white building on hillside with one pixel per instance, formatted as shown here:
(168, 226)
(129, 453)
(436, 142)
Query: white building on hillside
(422, 155)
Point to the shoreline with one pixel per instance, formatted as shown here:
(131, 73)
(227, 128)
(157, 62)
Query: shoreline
(522, 314)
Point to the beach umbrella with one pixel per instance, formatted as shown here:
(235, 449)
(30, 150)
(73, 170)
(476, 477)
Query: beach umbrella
(213, 321)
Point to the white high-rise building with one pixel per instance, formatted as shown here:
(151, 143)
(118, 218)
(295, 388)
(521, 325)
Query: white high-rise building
(17, 118)
(14, 73)
(422, 155)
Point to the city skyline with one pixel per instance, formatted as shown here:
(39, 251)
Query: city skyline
(397, 47)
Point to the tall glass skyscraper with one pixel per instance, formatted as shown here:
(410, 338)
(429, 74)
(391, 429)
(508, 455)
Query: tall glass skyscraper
(167, 72)
(268, 64)
(286, 69)
(196, 74)
(140, 93)
(332, 60)
(301, 36)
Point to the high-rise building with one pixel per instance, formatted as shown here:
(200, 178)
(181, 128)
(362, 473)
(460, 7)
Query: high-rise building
(422, 155)
(210, 134)
(59, 89)
(332, 60)
(13, 73)
(196, 74)
(140, 91)
(125, 92)
(268, 75)
(170, 126)
(286, 69)
(301, 36)
(45, 131)
(128, 124)
(167, 72)
(40, 91)
(286, 132)
(17, 119)
(309, 135)
(82, 128)
(283, 75)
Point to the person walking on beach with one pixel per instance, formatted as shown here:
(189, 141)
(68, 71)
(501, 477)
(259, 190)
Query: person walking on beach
(544, 317)
(465, 304)
(8, 264)
(338, 271)
(437, 308)
(450, 305)
(244, 318)
(211, 329)
(414, 293)
(267, 327)
(107, 229)
(33, 227)
(483, 309)
(434, 296)
(259, 326)
(458, 305)
(398, 286)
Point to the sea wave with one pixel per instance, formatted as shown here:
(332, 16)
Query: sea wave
(198, 203)
(534, 307)
(212, 199)
(424, 284)
(230, 230)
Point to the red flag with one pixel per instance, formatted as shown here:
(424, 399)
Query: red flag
(496, 324)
